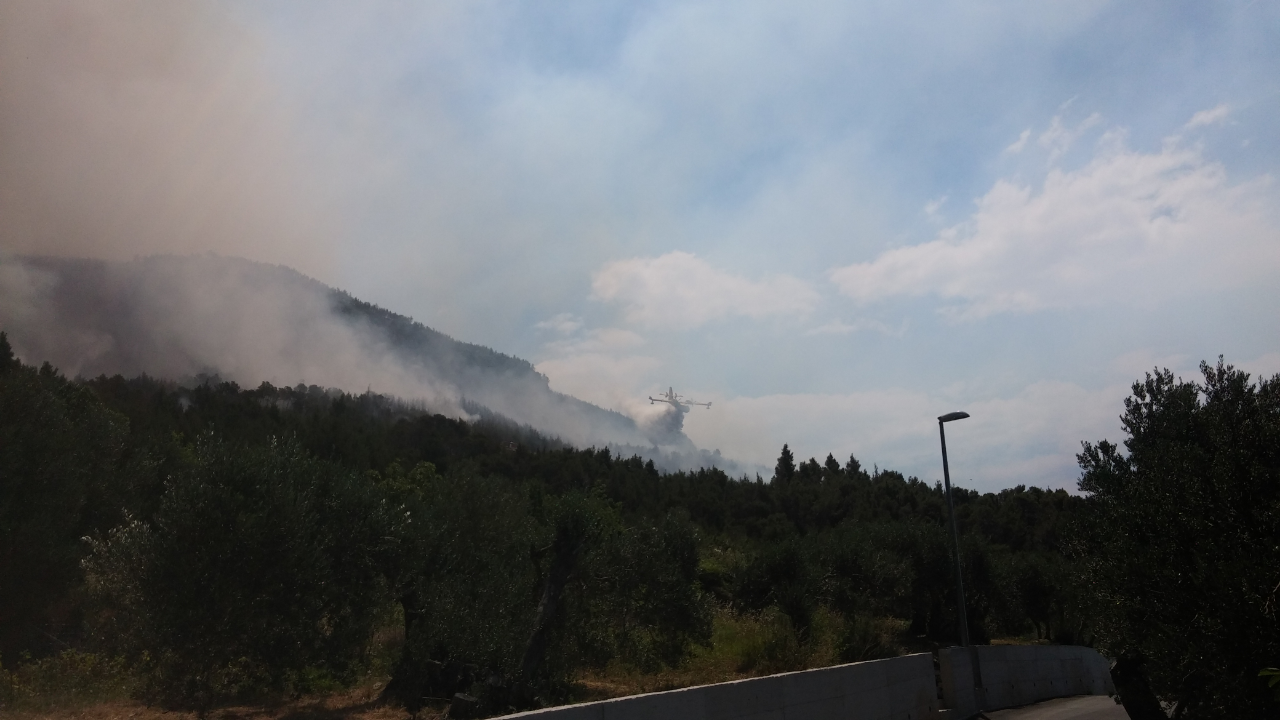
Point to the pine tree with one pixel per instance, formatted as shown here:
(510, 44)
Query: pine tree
(7, 360)
(785, 470)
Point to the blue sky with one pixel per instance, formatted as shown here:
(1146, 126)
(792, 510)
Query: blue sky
(836, 221)
(753, 202)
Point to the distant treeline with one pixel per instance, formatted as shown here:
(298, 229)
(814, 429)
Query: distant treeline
(230, 541)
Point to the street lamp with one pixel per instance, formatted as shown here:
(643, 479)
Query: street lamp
(955, 537)
(955, 532)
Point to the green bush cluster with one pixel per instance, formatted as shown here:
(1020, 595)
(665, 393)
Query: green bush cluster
(260, 566)
(221, 568)
(230, 543)
(66, 680)
(1180, 554)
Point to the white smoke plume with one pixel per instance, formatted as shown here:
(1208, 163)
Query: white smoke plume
(143, 144)
(175, 317)
(178, 317)
(138, 127)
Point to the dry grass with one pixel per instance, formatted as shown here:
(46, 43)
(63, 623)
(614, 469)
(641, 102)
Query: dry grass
(355, 704)
(743, 646)
(1020, 640)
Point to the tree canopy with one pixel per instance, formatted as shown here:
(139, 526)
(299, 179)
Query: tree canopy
(1180, 546)
(251, 540)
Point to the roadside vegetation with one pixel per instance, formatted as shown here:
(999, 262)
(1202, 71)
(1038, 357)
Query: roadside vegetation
(309, 553)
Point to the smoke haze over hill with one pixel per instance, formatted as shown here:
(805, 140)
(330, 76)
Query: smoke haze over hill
(836, 222)
(180, 317)
(148, 130)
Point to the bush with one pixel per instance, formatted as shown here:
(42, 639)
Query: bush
(259, 570)
(865, 638)
(637, 596)
(464, 577)
(1180, 548)
(58, 451)
(770, 644)
(515, 592)
(68, 680)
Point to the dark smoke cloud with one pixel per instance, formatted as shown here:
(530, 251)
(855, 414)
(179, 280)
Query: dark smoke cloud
(148, 126)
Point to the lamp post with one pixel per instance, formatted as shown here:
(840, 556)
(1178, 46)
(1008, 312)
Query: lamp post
(955, 532)
(978, 691)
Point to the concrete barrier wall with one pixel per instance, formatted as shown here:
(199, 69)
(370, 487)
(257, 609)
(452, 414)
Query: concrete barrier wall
(1015, 675)
(902, 688)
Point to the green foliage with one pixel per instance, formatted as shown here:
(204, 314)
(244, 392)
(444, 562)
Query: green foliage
(1180, 547)
(637, 596)
(462, 572)
(782, 576)
(227, 562)
(7, 360)
(531, 588)
(1272, 676)
(772, 645)
(64, 681)
(58, 451)
(259, 564)
(765, 642)
(785, 470)
(863, 638)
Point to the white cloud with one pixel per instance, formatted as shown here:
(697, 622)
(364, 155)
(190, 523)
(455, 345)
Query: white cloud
(1134, 363)
(679, 290)
(1058, 138)
(839, 327)
(1020, 143)
(1030, 437)
(598, 340)
(562, 324)
(1128, 228)
(1212, 116)
(835, 327)
(1263, 367)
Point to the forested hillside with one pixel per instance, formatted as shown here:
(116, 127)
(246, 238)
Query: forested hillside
(230, 541)
(181, 317)
(215, 543)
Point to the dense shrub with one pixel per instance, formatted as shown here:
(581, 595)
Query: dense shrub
(464, 576)
(637, 596)
(66, 680)
(227, 561)
(1180, 548)
(260, 565)
(58, 451)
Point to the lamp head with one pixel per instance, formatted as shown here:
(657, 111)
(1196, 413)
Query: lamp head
(953, 416)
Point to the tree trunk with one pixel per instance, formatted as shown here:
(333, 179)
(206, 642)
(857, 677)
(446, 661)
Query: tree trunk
(1134, 690)
(563, 560)
(408, 683)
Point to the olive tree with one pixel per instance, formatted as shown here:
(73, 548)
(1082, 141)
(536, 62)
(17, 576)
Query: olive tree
(260, 568)
(1180, 547)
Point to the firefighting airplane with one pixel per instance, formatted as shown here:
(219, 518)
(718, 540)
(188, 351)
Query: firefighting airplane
(677, 401)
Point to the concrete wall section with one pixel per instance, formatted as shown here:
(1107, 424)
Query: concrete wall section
(901, 688)
(895, 689)
(955, 675)
(1019, 675)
